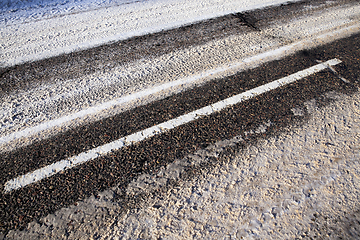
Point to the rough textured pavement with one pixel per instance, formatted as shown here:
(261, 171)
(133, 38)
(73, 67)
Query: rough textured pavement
(282, 165)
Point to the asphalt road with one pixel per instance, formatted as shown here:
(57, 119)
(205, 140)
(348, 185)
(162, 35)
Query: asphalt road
(120, 167)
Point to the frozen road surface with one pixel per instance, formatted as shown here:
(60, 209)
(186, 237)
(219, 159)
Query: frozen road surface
(151, 119)
(40, 29)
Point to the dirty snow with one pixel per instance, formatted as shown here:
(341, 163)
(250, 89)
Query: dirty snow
(304, 183)
(29, 32)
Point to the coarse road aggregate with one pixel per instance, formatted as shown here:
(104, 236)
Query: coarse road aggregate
(132, 179)
(45, 101)
(122, 166)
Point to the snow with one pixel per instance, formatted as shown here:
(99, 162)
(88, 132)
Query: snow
(37, 29)
(12, 12)
(42, 106)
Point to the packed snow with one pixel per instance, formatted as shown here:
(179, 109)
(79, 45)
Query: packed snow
(38, 29)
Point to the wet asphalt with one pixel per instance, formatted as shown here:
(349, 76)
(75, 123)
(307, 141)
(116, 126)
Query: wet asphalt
(39, 199)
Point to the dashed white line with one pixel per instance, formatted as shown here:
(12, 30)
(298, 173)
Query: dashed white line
(71, 162)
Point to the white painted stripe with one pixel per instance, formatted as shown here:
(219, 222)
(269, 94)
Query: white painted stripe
(54, 168)
(262, 57)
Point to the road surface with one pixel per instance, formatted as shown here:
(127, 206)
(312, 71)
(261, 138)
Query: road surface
(245, 125)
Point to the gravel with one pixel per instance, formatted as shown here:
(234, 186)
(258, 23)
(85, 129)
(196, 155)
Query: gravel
(300, 184)
(47, 90)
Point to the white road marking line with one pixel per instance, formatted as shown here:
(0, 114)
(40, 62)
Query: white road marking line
(19, 138)
(71, 162)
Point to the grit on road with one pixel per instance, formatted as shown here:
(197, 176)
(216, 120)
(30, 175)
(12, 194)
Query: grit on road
(242, 124)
